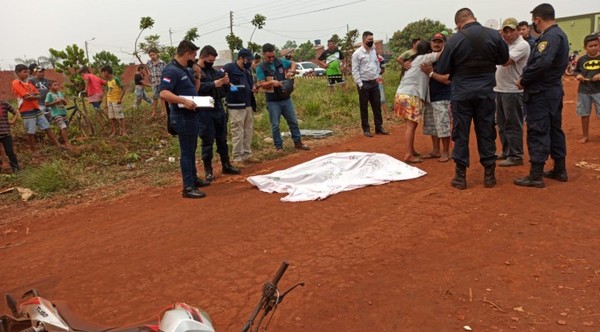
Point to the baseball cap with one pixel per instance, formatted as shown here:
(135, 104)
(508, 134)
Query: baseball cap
(246, 54)
(38, 69)
(438, 36)
(510, 22)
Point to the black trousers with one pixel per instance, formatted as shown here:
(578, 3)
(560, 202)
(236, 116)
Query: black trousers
(480, 111)
(213, 128)
(369, 93)
(7, 143)
(545, 136)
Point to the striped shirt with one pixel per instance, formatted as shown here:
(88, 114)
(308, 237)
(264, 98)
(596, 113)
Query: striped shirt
(5, 108)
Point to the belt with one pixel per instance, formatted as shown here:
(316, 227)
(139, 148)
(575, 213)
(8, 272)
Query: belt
(370, 81)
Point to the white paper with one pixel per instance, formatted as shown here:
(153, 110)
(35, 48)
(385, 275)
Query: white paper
(200, 101)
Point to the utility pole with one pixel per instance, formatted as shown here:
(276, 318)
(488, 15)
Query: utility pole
(231, 22)
(170, 37)
(347, 28)
(87, 56)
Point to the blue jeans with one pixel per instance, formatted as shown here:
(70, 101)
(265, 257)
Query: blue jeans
(276, 110)
(187, 125)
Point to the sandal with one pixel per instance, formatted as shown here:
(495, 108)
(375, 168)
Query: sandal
(414, 160)
(443, 159)
(430, 156)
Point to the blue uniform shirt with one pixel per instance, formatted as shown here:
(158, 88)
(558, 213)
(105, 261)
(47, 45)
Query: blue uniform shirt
(178, 80)
(547, 61)
(473, 77)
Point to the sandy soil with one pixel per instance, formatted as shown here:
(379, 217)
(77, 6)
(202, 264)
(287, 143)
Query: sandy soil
(406, 256)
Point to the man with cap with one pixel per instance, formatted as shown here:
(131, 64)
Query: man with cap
(509, 97)
(239, 104)
(470, 57)
(436, 116)
(543, 95)
(43, 85)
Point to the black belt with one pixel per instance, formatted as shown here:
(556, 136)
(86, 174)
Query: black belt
(371, 81)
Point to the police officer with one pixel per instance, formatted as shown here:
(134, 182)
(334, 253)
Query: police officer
(470, 57)
(542, 81)
(213, 121)
(178, 80)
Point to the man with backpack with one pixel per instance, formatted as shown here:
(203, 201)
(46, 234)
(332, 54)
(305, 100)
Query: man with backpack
(274, 78)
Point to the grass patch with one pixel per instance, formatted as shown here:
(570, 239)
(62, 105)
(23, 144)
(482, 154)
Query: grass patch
(50, 177)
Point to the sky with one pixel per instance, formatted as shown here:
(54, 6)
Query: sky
(113, 25)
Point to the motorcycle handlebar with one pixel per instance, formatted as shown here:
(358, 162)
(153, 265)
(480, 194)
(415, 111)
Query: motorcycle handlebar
(284, 265)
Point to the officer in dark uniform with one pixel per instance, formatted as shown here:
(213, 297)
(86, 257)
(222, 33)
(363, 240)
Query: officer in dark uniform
(543, 93)
(177, 80)
(470, 57)
(213, 121)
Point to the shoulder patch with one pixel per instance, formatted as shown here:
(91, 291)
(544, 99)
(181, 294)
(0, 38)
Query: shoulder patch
(542, 46)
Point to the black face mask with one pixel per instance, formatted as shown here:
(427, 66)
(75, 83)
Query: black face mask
(370, 44)
(535, 27)
(190, 63)
(208, 65)
(247, 65)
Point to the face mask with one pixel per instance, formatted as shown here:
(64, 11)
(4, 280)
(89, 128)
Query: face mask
(190, 63)
(370, 43)
(247, 65)
(535, 27)
(208, 65)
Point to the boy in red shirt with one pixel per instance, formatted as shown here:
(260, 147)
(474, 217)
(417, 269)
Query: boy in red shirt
(29, 109)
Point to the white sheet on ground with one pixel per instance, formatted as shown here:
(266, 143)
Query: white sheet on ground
(334, 173)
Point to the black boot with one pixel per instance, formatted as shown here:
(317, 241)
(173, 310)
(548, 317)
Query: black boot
(227, 167)
(489, 176)
(208, 170)
(534, 179)
(460, 177)
(559, 172)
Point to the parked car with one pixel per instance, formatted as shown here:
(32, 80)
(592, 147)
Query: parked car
(308, 68)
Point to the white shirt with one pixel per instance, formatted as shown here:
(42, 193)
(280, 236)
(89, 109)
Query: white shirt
(365, 65)
(415, 82)
(506, 76)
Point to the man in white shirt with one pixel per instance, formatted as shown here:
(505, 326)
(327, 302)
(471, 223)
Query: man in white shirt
(509, 98)
(365, 71)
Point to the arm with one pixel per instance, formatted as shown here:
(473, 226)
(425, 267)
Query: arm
(428, 70)
(355, 69)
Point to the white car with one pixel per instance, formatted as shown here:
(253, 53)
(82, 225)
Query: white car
(308, 68)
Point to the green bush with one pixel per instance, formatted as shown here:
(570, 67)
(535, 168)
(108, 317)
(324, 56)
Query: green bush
(50, 177)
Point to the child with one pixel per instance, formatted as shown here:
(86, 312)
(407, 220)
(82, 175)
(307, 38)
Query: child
(93, 87)
(140, 84)
(56, 101)
(588, 75)
(5, 137)
(27, 96)
(114, 99)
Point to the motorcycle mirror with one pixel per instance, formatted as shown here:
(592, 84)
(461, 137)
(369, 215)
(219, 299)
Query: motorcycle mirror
(12, 305)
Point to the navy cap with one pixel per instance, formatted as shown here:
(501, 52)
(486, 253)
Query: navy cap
(246, 54)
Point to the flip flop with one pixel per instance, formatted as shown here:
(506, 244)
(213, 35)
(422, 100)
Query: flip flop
(443, 160)
(414, 160)
(430, 156)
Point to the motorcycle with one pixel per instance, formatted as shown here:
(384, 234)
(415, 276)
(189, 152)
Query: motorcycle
(34, 313)
(572, 65)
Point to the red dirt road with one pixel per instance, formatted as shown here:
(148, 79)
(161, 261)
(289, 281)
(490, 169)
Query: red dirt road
(406, 256)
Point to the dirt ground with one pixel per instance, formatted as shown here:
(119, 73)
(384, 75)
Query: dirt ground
(406, 256)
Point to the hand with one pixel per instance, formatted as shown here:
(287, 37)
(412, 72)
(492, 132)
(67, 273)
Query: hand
(225, 79)
(406, 65)
(519, 85)
(596, 78)
(189, 104)
(289, 74)
(580, 78)
(426, 68)
(276, 84)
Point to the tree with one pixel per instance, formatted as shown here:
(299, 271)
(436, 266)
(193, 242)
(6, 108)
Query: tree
(234, 42)
(305, 51)
(46, 61)
(145, 23)
(69, 62)
(191, 34)
(106, 58)
(258, 22)
(290, 44)
(424, 29)
(254, 47)
(25, 60)
(347, 47)
(150, 42)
